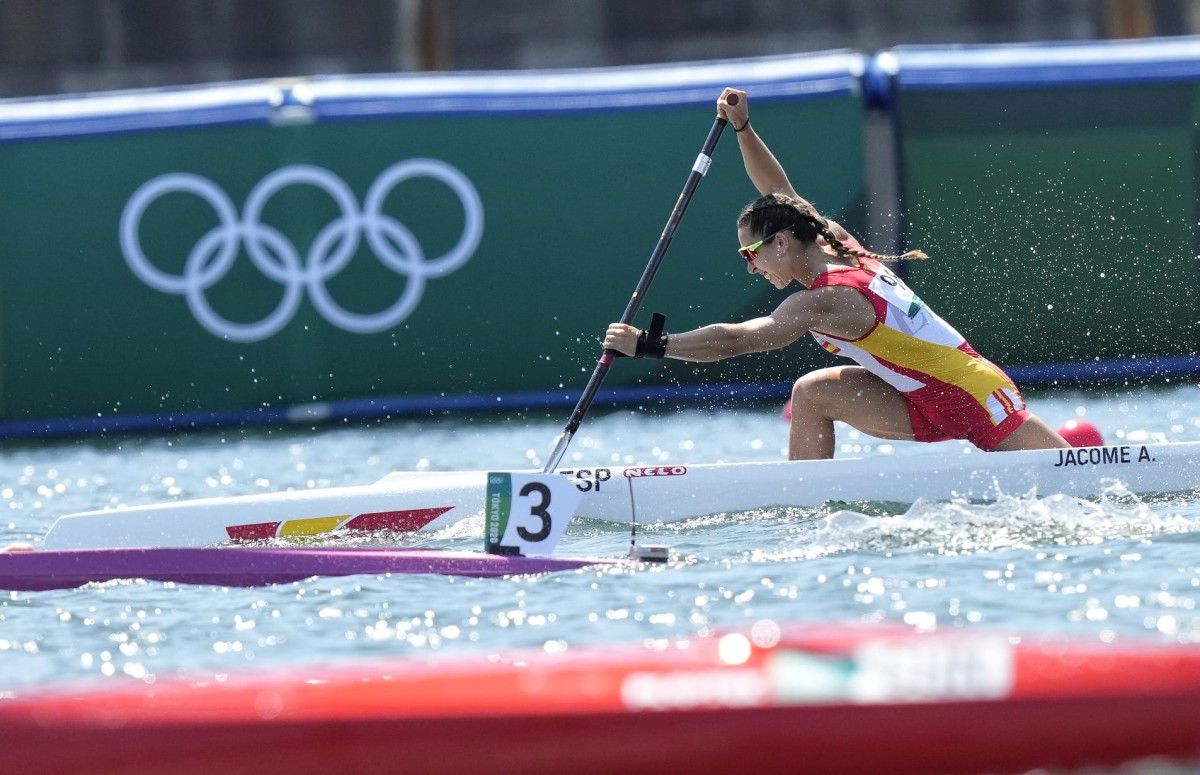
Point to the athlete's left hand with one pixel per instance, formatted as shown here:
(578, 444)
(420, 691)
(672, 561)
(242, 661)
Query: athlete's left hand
(623, 338)
(737, 114)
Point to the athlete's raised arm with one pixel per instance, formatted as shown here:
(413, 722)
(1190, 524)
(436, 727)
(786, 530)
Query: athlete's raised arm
(762, 167)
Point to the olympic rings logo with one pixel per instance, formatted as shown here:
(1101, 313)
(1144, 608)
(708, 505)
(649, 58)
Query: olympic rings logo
(278, 259)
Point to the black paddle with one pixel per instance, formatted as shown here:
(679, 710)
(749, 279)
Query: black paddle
(639, 293)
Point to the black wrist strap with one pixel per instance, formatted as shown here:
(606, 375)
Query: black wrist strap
(652, 343)
(744, 126)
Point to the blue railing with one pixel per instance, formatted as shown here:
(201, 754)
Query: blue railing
(933, 68)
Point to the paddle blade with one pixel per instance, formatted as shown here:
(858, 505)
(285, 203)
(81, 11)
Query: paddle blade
(527, 513)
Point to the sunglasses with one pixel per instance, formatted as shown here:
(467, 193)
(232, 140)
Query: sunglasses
(750, 252)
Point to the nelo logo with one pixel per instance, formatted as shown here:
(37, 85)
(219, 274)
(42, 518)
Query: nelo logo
(275, 255)
(634, 473)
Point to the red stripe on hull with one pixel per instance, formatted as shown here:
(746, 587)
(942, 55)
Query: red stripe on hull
(411, 520)
(255, 532)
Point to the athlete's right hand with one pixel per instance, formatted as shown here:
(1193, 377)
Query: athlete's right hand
(623, 338)
(738, 114)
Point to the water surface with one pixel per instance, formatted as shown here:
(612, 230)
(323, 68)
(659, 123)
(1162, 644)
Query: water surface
(1116, 568)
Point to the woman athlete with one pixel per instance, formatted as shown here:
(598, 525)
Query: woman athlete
(917, 378)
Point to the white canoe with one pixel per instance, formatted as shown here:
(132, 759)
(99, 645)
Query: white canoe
(425, 501)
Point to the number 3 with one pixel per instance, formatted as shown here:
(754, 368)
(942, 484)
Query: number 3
(538, 511)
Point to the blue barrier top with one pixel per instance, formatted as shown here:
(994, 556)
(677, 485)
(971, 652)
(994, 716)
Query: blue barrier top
(905, 68)
(933, 68)
(690, 83)
(125, 111)
(301, 100)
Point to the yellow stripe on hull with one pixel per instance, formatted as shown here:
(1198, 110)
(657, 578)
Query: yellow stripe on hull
(311, 526)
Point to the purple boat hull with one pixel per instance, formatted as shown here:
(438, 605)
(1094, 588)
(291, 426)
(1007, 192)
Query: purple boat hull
(251, 567)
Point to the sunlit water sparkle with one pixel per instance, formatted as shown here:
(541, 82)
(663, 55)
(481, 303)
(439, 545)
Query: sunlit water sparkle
(1112, 568)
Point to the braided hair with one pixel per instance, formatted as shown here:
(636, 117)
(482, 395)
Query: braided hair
(778, 212)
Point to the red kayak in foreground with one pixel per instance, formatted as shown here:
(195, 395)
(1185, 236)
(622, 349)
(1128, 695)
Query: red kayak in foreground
(818, 700)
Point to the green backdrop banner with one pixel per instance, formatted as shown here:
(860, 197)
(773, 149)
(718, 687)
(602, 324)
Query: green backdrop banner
(476, 248)
(1057, 194)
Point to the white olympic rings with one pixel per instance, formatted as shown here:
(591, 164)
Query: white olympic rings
(278, 259)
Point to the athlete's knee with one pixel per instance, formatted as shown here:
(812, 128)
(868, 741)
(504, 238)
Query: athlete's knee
(810, 393)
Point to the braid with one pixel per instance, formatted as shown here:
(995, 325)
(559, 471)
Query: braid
(779, 212)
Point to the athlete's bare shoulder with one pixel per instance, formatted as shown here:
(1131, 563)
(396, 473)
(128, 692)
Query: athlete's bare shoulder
(837, 310)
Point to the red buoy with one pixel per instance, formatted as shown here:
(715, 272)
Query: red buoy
(1081, 433)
